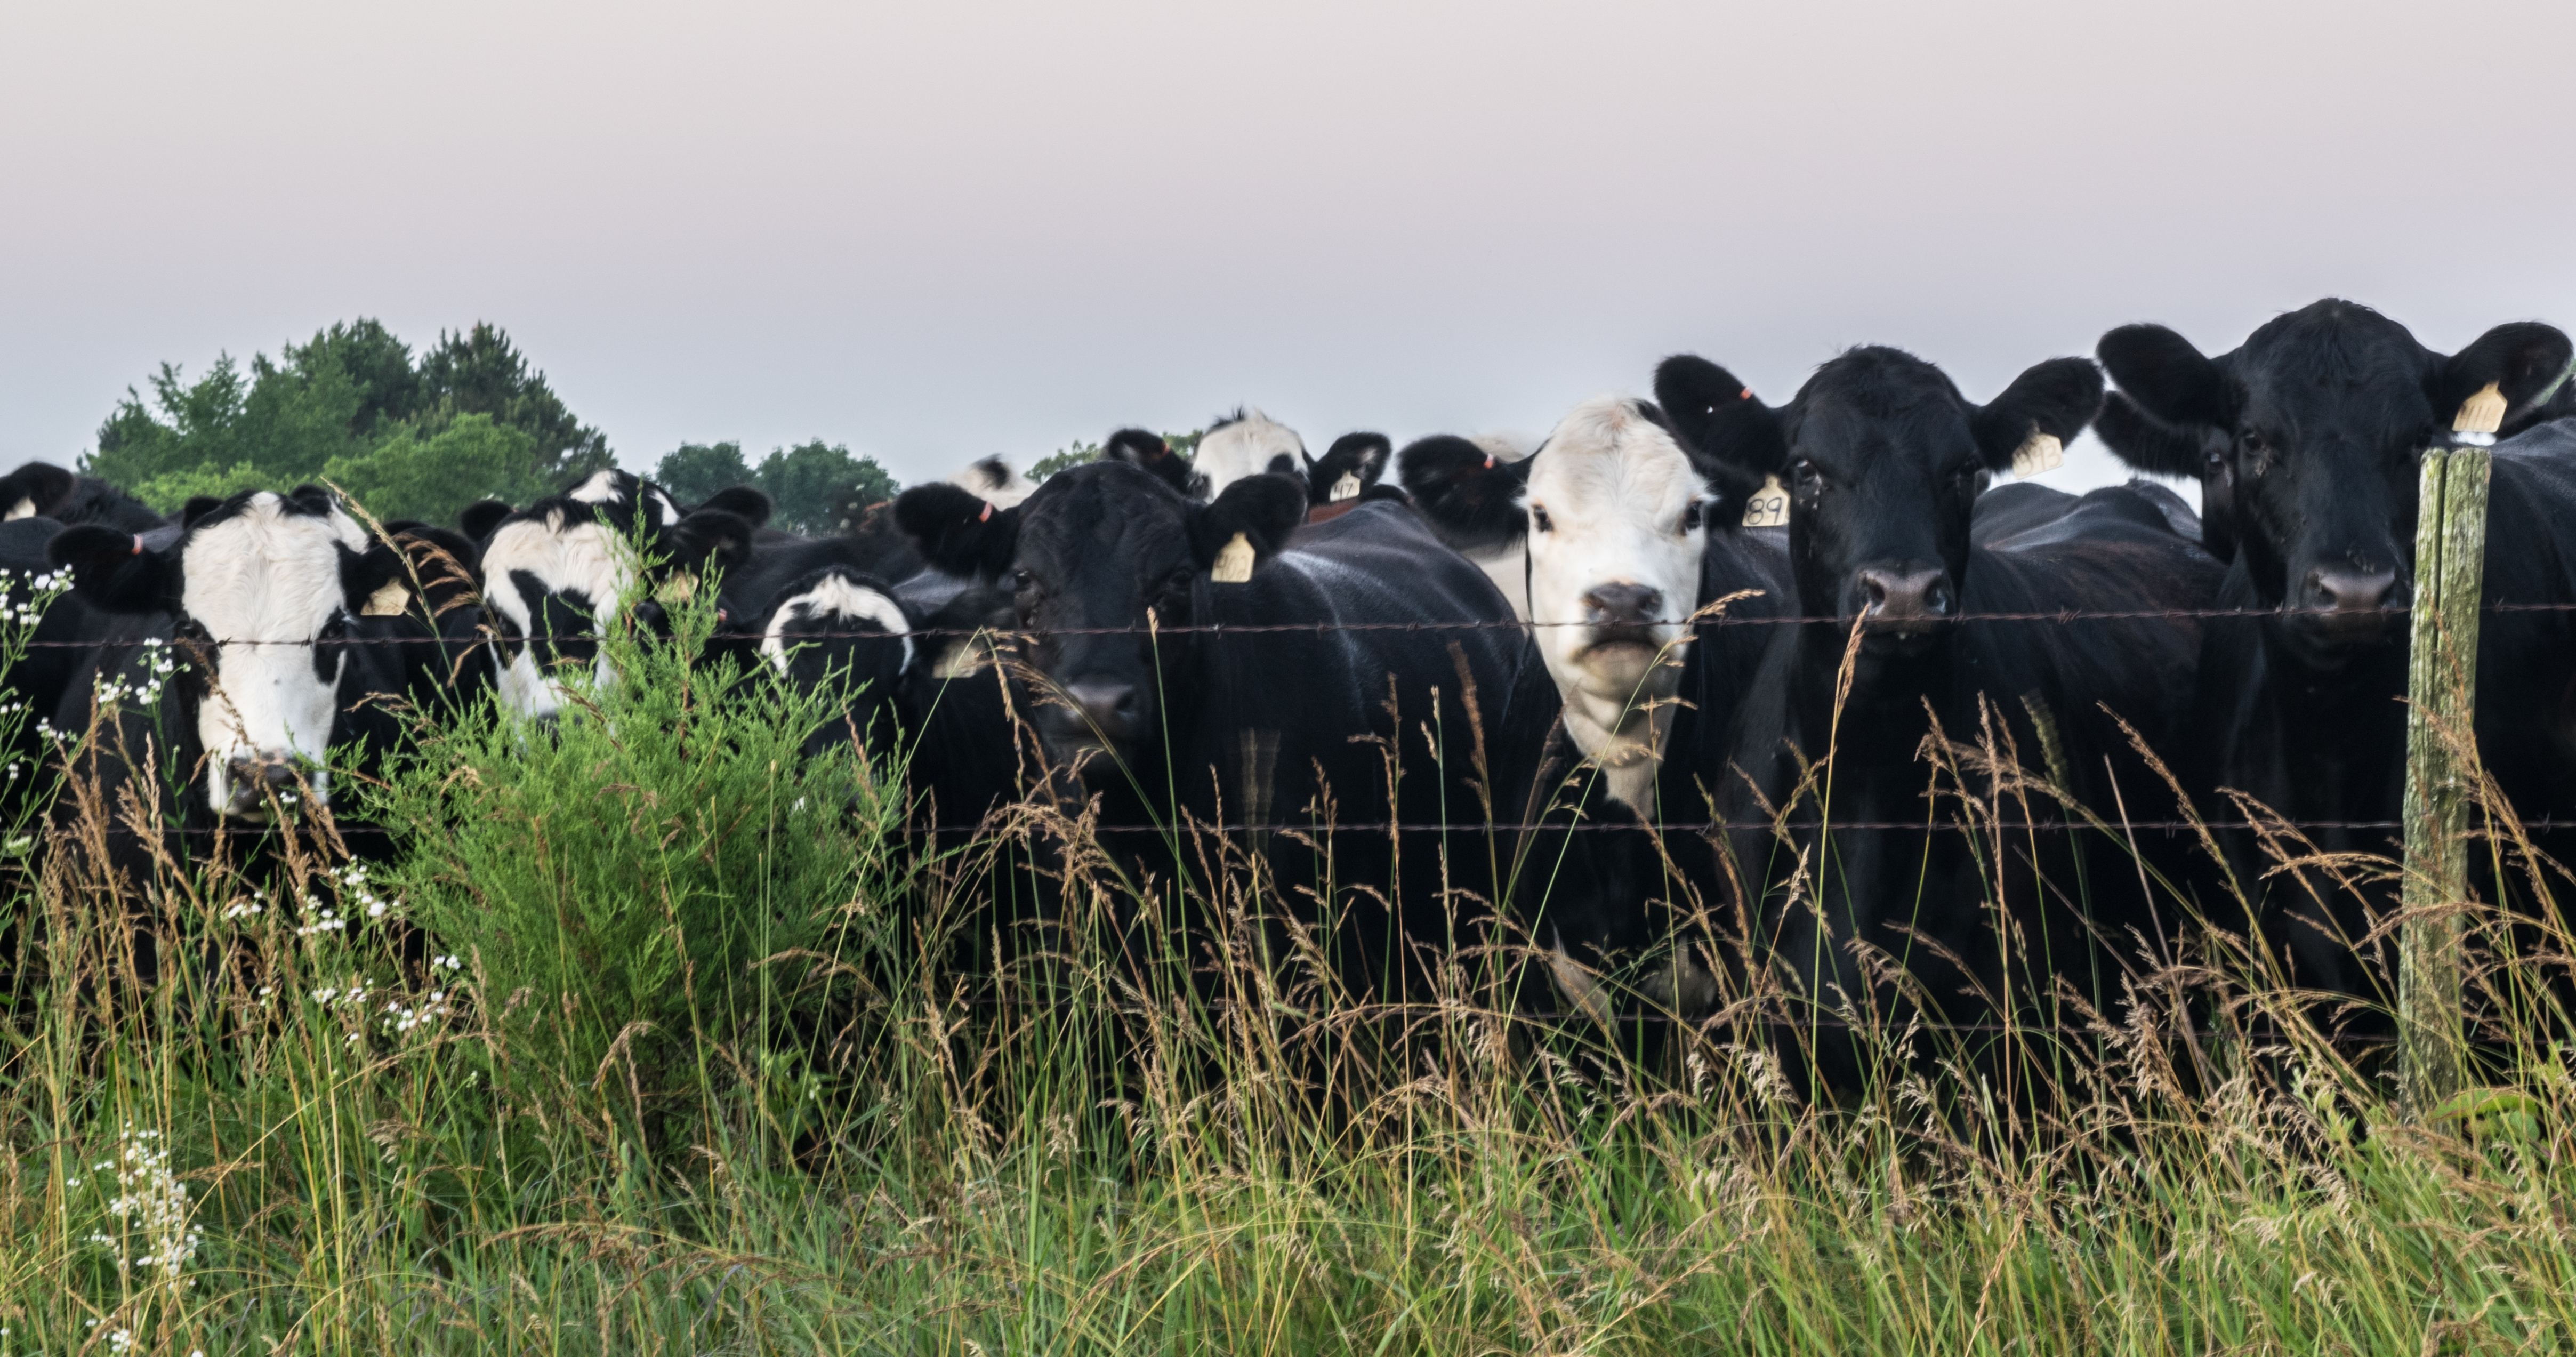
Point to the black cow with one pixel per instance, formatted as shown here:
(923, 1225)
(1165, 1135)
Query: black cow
(1347, 473)
(2313, 430)
(42, 490)
(1883, 461)
(1306, 727)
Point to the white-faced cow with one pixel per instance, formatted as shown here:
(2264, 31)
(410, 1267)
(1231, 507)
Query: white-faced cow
(1164, 726)
(1247, 443)
(2311, 433)
(1883, 461)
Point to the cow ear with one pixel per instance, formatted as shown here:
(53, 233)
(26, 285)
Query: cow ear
(445, 561)
(112, 572)
(2040, 413)
(197, 507)
(2167, 377)
(478, 519)
(1148, 450)
(958, 530)
(2148, 444)
(742, 502)
(1718, 415)
(1348, 468)
(364, 575)
(311, 499)
(1471, 496)
(2523, 361)
(1261, 509)
(707, 540)
(41, 486)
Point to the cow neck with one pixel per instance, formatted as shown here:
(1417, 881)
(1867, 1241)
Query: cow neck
(1625, 739)
(1882, 719)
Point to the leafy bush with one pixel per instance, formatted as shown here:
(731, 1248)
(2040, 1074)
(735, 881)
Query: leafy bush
(617, 886)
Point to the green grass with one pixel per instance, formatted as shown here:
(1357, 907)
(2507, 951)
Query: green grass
(704, 1078)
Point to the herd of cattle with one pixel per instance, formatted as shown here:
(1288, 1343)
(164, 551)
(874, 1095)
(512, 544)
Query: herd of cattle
(1702, 687)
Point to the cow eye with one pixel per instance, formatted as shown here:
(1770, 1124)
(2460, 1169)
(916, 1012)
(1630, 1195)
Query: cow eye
(1540, 520)
(1020, 580)
(1805, 474)
(1691, 517)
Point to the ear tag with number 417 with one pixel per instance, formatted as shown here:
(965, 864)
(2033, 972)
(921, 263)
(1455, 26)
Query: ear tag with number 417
(1769, 507)
(2039, 452)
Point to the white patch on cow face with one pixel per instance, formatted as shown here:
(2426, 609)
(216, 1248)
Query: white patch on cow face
(24, 508)
(994, 480)
(602, 488)
(1616, 530)
(264, 583)
(1247, 447)
(585, 558)
(844, 600)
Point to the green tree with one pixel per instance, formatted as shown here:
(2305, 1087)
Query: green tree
(432, 477)
(819, 487)
(693, 471)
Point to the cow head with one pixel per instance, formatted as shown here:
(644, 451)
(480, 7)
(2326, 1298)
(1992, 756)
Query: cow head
(1248, 443)
(2321, 417)
(559, 572)
(838, 625)
(993, 480)
(1348, 468)
(1883, 460)
(262, 589)
(1102, 546)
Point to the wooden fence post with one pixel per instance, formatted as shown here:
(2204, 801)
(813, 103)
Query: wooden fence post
(2441, 695)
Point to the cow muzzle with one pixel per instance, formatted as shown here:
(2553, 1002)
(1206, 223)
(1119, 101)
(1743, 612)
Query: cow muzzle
(255, 781)
(1093, 716)
(1902, 605)
(2347, 605)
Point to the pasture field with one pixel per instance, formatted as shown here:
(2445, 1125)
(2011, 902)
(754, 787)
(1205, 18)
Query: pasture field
(653, 1036)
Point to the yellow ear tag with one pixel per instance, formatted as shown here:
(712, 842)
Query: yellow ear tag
(1769, 507)
(2481, 413)
(1234, 562)
(389, 601)
(2039, 452)
(676, 589)
(1348, 487)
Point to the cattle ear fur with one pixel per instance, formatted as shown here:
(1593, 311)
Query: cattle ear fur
(742, 502)
(112, 572)
(958, 530)
(197, 507)
(1147, 449)
(477, 520)
(1362, 456)
(2144, 443)
(2167, 377)
(42, 484)
(2054, 399)
(1708, 409)
(1263, 508)
(1469, 494)
(2522, 360)
(708, 540)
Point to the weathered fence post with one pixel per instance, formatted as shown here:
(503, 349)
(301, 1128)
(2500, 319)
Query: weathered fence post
(2441, 695)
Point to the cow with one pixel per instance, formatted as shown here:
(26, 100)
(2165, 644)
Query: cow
(1247, 443)
(1883, 461)
(559, 572)
(1113, 572)
(42, 490)
(2311, 433)
(1347, 473)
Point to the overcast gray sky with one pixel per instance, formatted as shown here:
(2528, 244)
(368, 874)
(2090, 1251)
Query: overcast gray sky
(939, 231)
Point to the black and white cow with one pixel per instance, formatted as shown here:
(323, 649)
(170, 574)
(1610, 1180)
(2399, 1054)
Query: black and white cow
(42, 490)
(1247, 443)
(1348, 472)
(1883, 461)
(560, 571)
(1164, 727)
(2311, 433)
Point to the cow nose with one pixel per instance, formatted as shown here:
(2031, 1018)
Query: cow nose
(1111, 707)
(2334, 589)
(1628, 605)
(1905, 593)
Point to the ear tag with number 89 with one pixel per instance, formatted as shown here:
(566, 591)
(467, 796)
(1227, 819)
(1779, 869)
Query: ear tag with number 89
(1769, 507)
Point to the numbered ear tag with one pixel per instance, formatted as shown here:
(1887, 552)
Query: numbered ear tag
(1348, 487)
(2040, 452)
(1769, 507)
(389, 601)
(676, 589)
(2481, 413)
(1233, 562)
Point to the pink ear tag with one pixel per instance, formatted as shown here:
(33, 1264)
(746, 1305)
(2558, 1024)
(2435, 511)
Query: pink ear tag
(1744, 395)
(138, 544)
(1489, 461)
(988, 512)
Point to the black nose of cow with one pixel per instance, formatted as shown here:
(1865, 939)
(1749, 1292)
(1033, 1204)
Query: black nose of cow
(1623, 605)
(1903, 598)
(2335, 589)
(1112, 709)
(254, 778)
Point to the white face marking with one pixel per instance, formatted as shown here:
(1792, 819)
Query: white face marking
(601, 488)
(1246, 448)
(841, 599)
(994, 480)
(24, 508)
(586, 558)
(1618, 557)
(263, 584)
